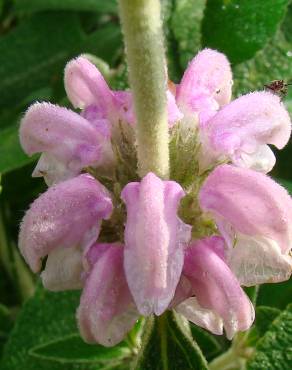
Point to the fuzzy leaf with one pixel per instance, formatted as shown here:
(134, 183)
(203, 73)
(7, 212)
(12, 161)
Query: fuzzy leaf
(167, 345)
(72, 349)
(186, 26)
(265, 315)
(46, 319)
(11, 154)
(34, 53)
(273, 350)
(208, 343)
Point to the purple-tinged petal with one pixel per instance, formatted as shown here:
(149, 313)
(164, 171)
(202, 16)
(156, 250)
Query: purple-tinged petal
(216, 288)
(63, 269)
(183, 291)
(126, 109)
(241, 130)
(125, 106)
(66, 215)
(107, 310)
(174, 114)
(69, 141)
(254, 215)
(251, 202)
(154, 242)
(203, 317)
(206, 84)
(86, 86)
(93, 116)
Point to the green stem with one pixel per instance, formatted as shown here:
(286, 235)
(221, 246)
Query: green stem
(142, 28)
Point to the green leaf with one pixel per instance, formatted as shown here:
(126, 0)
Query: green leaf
(11, 154)
(106, 42)
(287, 24)
(186, 27)
(271, 63)
(273, 350)
(240, 28)
(5, 321)
(206, 341)
(264, 317)
(87, 5)
(287, 184)
(6, 324)
(275, 295)
(167, 345)
(44, 319)
(72, 349)
(34, 54)
(31, 61)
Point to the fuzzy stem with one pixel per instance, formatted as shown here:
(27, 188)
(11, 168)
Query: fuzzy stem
(142, 28)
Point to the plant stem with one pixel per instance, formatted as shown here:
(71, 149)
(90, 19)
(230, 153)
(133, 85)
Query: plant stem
(142, 28)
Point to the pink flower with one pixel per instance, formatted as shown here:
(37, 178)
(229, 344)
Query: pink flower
(254, 215)
(154, 242)
(238, 131)
(107, 310)
(132, 244)
(70, 142)
(61, 223)
(219, 300)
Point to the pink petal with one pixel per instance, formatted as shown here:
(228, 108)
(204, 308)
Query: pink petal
(66, 215)
(65, 137)
(241, 130)
(126, 108)
(154, 242)
(216, 288)
(86, 86)
(251, 202)
(174, 114)
(206, 83)
(183, 291)
(107, 311)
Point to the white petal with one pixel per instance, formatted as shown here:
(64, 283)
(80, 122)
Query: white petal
(52, 169)
(262, 160)
(258, 260)
(200, 316)
(63, 269)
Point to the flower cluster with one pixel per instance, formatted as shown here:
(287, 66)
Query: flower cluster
(142, 246)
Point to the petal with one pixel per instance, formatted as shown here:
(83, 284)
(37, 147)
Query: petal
(216, 288)
(200, 316)
(107, 311)
(174, 113)
(52, 170)
(263, 160)
(183, 291)
(258, 260)
(63, 269)
(85, 86)
(64, 136)
(246, 124)
(250, 202)
(154, 242)
(66, 215)
(126, 108)
(207, 76)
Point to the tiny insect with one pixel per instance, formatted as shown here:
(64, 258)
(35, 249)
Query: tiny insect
(279, 87)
